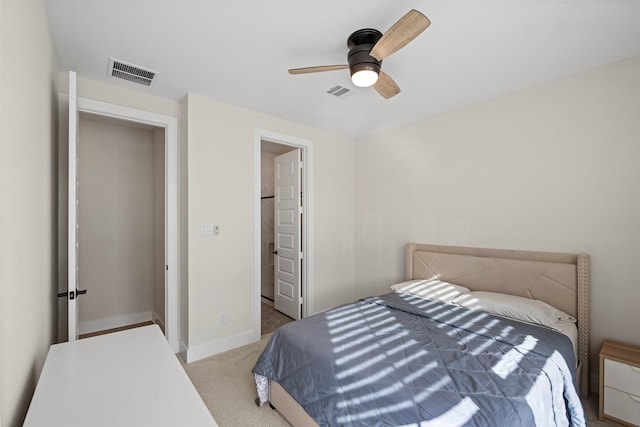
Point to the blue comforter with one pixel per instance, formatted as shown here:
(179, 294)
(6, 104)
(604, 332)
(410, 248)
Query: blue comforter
(399, 360)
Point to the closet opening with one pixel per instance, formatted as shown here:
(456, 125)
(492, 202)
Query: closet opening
(79, 198)
(121, 224)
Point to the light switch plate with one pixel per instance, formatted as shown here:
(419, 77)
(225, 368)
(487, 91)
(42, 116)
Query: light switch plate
(206, 229)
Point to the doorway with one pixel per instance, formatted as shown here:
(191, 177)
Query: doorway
(70, 204)
(121, 224)
(271, 317)
(267, 147)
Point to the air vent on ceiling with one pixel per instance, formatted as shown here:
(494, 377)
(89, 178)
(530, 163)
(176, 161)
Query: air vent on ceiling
(131, 72)
(338, 91)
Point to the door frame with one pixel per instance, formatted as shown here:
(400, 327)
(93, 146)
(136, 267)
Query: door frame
(306, 147)
(170, 125)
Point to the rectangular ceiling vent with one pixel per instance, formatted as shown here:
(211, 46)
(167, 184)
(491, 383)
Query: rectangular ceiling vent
(131, 72)
(338, 91)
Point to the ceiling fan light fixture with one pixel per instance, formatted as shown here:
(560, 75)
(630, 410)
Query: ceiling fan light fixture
(365, 74)
(368, 47)
(364, 78)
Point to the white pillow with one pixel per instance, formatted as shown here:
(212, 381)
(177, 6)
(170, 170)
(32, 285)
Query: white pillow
(515, 307)
(432, 289)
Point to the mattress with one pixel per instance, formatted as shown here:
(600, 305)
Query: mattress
(401, 360)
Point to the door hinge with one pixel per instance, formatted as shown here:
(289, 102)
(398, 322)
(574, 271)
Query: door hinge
(300, 255)
(300, 210)
(300, 301)
(300, 164)
(166, 267)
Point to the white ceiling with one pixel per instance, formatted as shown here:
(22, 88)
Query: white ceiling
(238, 51)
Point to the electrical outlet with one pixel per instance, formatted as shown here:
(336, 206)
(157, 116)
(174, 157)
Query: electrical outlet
(223, 319)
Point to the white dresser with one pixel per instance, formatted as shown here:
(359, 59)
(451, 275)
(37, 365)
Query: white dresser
(620, 383)
(129, 378)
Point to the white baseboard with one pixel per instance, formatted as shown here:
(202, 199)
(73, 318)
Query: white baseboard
(88, 326)
(158, 321)
(211, 348)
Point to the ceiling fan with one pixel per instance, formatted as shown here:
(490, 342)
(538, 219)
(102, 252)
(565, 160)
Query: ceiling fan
(367, 49)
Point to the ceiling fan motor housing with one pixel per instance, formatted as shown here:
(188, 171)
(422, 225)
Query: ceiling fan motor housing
(360, 44)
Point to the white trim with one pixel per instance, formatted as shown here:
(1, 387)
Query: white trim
(211, 348)
(88, 326)
(307, 219)
(183, 350)
(88, 105)
(72, 210)
(170, 125)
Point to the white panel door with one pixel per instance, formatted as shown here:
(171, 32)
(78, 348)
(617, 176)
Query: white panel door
(73, 206)
(287, 234)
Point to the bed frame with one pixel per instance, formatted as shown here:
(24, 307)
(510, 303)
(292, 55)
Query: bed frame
(559, 279)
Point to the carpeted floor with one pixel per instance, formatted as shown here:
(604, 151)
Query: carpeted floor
(226, 385)
(591, 410)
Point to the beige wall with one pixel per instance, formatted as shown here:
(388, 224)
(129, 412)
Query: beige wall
(117, 222)
(552, 168)
(221, 270)
(28, 123)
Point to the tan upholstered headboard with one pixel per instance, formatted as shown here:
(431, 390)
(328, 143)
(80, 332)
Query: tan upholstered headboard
(559, 279)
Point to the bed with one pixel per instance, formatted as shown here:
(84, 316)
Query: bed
(411, 358)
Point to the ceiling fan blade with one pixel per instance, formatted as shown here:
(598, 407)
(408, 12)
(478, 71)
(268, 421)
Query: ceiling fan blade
(385, 86)
(307, 70)
(402, 32)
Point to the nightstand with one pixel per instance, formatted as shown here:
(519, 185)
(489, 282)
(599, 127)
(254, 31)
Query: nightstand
(620, 383)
